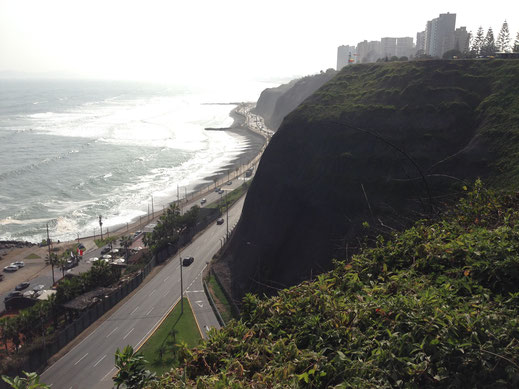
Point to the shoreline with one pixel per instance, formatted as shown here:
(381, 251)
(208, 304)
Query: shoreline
(240, 128)
(255, 143)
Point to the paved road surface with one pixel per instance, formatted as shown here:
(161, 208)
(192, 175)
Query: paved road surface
(90, 364)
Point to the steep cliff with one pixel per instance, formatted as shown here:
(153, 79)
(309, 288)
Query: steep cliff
(275, 103)
(380, 144)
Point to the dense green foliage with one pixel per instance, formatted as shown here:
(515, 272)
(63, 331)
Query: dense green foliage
(131, 369)
(100, 274)
(170, 228)
(435, 306)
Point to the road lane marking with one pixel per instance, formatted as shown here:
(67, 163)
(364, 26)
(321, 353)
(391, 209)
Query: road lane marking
(165, 279)
(165, 294)
(80, 359)
(102, 379)
(147, 313)
(97, 363)
(125, 336)
(199, 303)
(153, 291)
(137, 307)
(111, 332)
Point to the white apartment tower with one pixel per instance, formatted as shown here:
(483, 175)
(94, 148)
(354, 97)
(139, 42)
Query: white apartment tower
(345, 56)
(439, 35)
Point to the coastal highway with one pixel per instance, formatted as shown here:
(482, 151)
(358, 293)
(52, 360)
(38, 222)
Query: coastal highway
(90, 364)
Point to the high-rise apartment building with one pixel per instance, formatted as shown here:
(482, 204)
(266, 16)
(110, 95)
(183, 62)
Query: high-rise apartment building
(368, 51)
(439, 34)
(461, 39)
(345, 56)
(404, 47)
(387, 47)
(420, 43)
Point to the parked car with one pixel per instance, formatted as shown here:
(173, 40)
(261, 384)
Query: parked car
(10, 268)
(229, 182)
(105, 250)
(38, 288)
(18, 263)
(11, 295)
(22, 286)
(188, 261)
(203, 201)
(220, 221)
(217, 190)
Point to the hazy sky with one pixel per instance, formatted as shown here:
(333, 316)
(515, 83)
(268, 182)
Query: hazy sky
(212, 39)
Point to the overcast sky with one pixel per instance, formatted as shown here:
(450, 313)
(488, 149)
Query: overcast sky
(174, 40)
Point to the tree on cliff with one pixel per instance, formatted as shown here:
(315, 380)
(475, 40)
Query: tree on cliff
(516, 44)
(503, 39)
(478, 41)
(489, 45)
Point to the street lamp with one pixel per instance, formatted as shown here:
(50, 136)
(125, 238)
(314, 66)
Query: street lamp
(181, 287)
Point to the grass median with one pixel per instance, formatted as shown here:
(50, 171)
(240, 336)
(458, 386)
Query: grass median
(160, 350)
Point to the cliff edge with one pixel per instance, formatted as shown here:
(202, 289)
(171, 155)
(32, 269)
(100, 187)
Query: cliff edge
(379, 145)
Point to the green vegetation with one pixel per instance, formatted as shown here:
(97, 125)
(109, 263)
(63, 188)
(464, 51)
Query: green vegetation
(435, 306)
(131, 369)
(30, 381)
(177, 331)
(105, 241)
(219, 298)
(32, 256)
(458, 99)
(171, 227)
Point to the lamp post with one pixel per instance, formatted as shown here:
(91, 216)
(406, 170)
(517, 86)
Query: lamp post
(181, 288)
(101, 225)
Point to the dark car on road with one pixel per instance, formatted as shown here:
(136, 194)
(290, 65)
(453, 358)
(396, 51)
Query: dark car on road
(219, 221)
(105, 250)
(11, 295)
(21, 286)
(188, 261)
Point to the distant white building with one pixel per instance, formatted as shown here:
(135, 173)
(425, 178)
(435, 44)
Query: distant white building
(405, 47)
(345, 56)
(420, 43)
(439, 35)
(368, 51)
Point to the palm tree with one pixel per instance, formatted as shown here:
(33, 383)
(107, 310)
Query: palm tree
(126, 242)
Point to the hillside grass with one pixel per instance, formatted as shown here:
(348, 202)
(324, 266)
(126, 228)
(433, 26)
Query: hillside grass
(435, 306)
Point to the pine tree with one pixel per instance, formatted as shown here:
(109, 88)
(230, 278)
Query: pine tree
(516, 44)
(489, 45)
(477, 42)
(503, 39)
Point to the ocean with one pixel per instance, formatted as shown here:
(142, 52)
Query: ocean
(73, 150)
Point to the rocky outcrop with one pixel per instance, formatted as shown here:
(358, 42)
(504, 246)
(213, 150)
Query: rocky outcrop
(275, 103)
(379, 145)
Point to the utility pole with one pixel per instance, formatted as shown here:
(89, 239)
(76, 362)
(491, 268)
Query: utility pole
(181, 288)
(227, 204)
(152, 208)
(78, 238)
(101, 225)
(50, 259)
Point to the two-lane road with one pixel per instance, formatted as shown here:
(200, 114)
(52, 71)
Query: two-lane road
(90, 364)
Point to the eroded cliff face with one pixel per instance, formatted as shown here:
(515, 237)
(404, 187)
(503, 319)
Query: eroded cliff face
(380, 144)
(275, 103)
